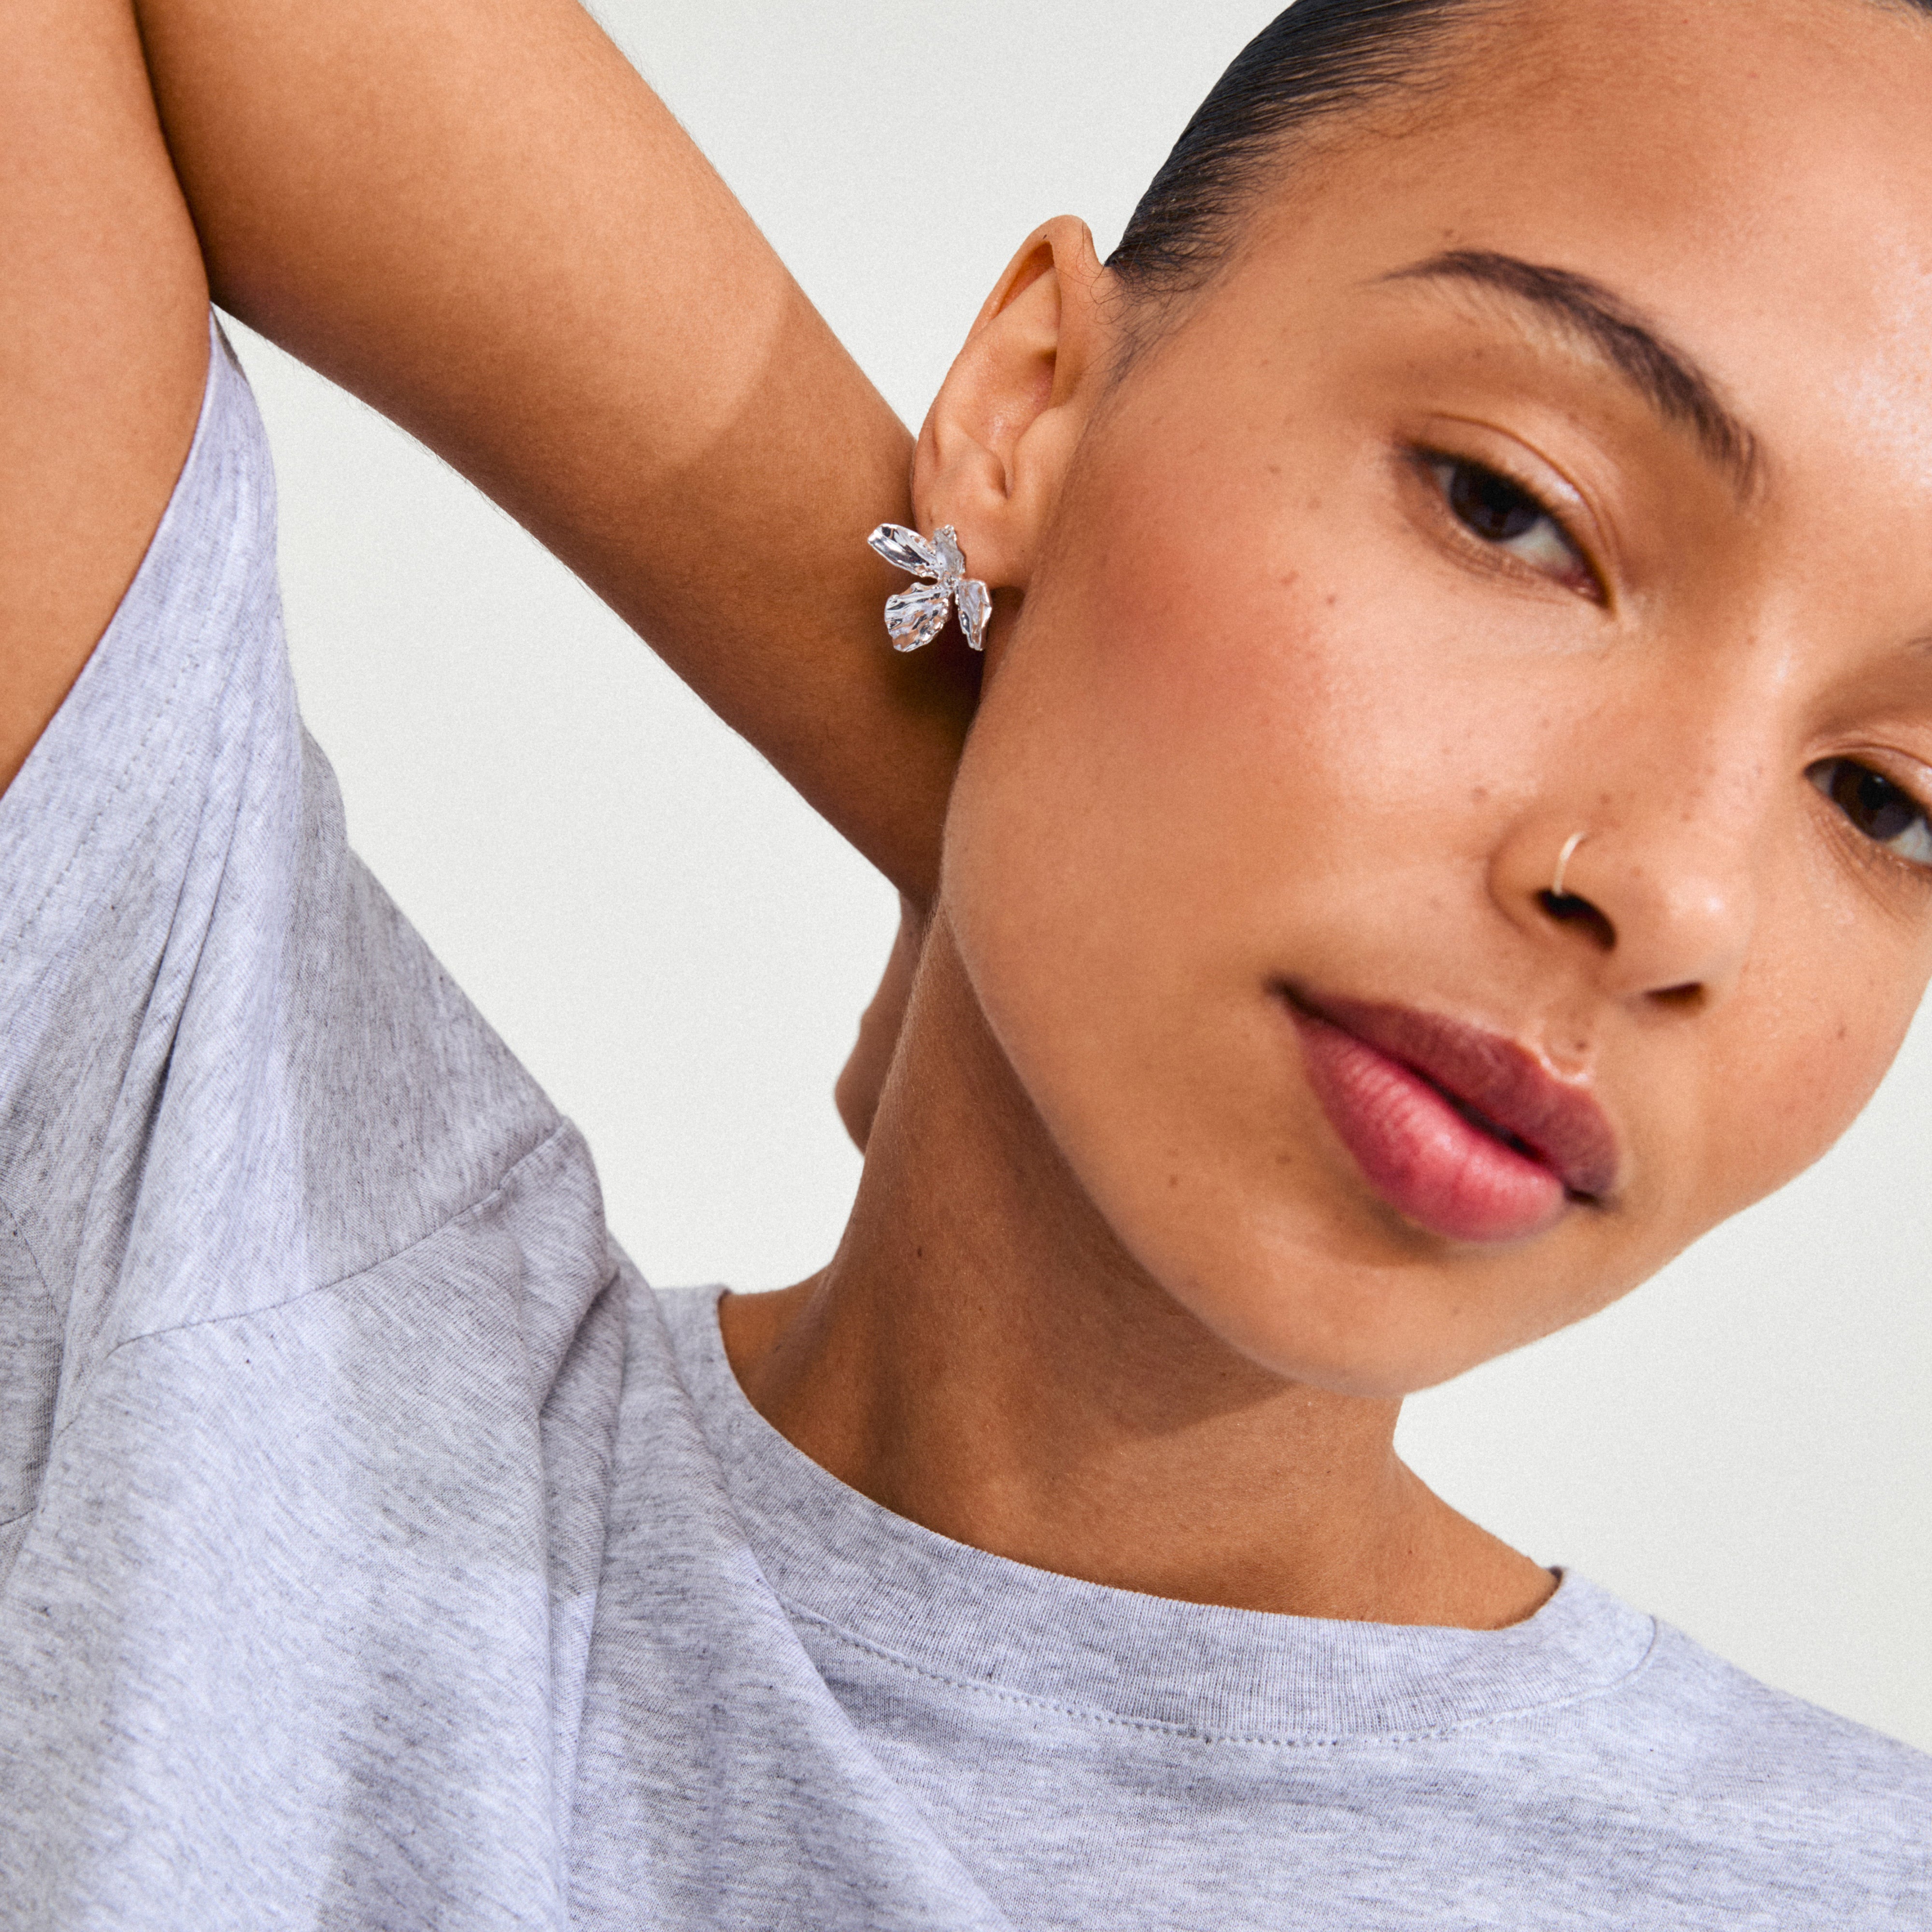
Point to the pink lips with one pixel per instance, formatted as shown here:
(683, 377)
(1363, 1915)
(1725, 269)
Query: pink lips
(1462, 1131)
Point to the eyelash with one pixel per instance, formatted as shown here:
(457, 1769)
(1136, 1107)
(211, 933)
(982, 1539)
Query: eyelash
(1444, 469)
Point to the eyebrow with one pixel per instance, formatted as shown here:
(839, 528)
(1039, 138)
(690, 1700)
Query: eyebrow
(1670, 380)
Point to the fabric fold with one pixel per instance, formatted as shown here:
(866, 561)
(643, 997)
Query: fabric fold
(308, 1346)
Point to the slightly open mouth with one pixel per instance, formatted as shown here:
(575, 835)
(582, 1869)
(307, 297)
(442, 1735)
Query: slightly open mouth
(1502, 1136)
(1477, 1119)
(1488, 1145)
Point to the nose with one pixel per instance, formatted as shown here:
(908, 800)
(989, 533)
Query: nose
(1660, 902)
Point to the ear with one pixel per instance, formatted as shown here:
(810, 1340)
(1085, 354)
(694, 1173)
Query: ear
(999, 437)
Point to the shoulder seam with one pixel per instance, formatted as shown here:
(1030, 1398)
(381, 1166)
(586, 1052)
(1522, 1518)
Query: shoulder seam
(501, 1185)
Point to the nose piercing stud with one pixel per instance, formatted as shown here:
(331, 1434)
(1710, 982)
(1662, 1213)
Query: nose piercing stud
(1563, 858)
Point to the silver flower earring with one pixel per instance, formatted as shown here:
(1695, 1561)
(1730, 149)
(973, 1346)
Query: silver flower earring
(915, 616)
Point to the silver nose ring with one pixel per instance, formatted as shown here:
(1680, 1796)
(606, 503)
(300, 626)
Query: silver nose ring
(1563, 858)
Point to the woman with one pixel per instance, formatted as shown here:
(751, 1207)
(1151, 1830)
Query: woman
(1442, 830)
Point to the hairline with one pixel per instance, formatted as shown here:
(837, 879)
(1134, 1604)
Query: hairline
(1149, 310)
(1389, 108)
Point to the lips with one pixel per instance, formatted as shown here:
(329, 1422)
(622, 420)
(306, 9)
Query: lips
(1462, 1131)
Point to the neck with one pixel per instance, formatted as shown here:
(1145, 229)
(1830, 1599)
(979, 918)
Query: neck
(982, 1357)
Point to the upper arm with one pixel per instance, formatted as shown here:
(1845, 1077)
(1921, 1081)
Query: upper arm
(104, 343)
(479, 219)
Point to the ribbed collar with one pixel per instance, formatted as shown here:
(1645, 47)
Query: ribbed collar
(834, 1555)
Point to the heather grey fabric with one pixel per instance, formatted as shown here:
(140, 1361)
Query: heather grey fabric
(377, 1550)
(310, 1334)
(888, 1729)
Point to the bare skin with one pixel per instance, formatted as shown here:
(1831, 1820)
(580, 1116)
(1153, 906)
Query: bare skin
(485, 224)
(102, 344)
(941, 1367)
(863, 1079)
(1280, 717)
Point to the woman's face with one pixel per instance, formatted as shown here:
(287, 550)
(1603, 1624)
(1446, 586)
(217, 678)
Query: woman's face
(1407, 557)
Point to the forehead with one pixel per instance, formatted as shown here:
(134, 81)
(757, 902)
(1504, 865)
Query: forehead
(1783, 146)
(1757, 179)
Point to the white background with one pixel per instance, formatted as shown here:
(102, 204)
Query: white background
(680, 951)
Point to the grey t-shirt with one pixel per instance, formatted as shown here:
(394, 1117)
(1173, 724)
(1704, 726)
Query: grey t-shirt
(377, 1550)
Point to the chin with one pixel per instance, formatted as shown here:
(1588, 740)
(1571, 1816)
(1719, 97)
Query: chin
(1348, 1346)
(1338, 1294)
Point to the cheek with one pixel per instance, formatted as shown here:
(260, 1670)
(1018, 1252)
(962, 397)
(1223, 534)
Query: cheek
(1214, 714)
(1799, 1052)
(1186, 778)
(1151, 765)
(1142, 784)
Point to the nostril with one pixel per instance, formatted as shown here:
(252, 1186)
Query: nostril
(1689, 996)
(1570, 909)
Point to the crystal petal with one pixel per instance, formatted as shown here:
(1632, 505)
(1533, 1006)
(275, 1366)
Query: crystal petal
(916, 616)
(976, 607)
(945, 544)
(907, 550)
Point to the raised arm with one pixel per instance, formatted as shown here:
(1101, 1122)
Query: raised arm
(479, 219)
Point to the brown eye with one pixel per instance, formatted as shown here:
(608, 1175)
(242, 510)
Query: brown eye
(1506, 517)
(1492, 505)
(1884, 813)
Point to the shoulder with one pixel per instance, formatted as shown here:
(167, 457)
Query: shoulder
(1782, 1781)
(1726, 1719)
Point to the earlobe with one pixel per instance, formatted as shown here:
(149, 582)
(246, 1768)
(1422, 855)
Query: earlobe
(998, 438)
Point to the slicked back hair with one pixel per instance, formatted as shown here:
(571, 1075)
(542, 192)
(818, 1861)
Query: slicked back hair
(1318, 58)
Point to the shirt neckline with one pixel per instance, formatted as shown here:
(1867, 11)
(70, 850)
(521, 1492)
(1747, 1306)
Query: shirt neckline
(836, 1557)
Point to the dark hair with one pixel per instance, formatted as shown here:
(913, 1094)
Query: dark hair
(1319, 58)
